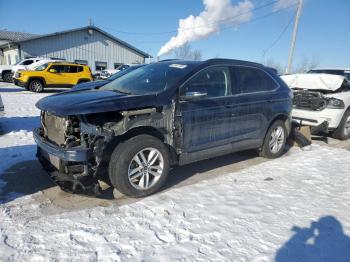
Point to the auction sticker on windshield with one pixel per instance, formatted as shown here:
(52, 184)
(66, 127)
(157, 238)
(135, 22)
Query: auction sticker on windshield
(178, 66)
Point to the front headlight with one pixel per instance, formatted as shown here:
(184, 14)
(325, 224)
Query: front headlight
(335, 103)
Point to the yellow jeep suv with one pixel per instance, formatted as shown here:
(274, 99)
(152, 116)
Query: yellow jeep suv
(54, 74)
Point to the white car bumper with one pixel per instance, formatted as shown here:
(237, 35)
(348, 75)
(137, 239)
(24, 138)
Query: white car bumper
(316, 118)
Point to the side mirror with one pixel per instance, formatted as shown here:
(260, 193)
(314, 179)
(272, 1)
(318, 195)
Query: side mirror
(52, 71)
(194, 95)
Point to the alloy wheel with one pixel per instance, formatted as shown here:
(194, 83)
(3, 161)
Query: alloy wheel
(145, 168)
(276, 140)
(36, 86)
(347, 126)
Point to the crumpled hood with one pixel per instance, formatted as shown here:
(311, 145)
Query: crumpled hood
(314, 81)
(93, 101)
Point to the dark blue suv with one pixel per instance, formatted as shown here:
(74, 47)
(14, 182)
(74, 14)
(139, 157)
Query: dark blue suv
(133, 129)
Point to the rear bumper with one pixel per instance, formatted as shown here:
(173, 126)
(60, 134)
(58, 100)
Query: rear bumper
(78, 154)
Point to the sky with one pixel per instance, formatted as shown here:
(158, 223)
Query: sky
(323, 36)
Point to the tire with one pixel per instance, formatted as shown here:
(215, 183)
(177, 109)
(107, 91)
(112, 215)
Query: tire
(277, 148)
(36, 86)
(7, 77)
(343, 130)
(126, 161)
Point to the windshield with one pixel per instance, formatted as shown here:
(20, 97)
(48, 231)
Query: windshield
(149, 79)
(121, 73)
(41, 67)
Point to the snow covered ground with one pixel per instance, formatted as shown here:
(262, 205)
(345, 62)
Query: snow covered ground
(295, 208)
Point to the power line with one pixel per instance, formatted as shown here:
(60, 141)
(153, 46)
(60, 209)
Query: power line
(191, 28)
(279, 36)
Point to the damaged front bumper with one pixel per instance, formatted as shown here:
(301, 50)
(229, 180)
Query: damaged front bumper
(68, 168)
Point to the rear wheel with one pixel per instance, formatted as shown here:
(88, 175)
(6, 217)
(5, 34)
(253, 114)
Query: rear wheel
(343, 130)
(275, 140)
(36, 86)
(7, 77)
(139, 166)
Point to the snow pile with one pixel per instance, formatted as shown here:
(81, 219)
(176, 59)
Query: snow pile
(21, 117)
(243, 216)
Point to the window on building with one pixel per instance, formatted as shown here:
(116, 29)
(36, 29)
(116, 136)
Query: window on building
(116, 65)
(81, 62)
(99, 66)
(251, 80)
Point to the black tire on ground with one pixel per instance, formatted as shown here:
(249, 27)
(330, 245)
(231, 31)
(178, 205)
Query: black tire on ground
(121, 161)
(7, 77)
(343, 130)
(36, 86)
(269, 151)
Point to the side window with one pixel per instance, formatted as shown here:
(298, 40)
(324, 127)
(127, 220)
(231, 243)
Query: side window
(252, 80)
(58, 68)
(27, 62)
(215, 81)
(80, 69)
(70, 69)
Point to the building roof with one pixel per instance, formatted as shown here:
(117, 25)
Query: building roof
(14, 36)
(34, 37)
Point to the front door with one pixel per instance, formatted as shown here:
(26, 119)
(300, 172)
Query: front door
(206, 120)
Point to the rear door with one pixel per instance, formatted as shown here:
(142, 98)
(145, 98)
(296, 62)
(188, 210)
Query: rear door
(252, 107)
(206, 121)
(71, 74)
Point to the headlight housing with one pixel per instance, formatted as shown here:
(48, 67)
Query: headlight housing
(335, 103)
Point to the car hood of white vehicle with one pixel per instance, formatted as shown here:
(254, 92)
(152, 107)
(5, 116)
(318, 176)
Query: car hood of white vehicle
(314, 81)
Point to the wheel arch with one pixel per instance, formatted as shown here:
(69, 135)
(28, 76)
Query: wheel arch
(36, 78)
(83, 80)
(146, 130)
(283, 117)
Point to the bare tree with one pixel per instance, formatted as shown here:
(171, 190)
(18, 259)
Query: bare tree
(186, 52)
(307, 64)
(270, 62)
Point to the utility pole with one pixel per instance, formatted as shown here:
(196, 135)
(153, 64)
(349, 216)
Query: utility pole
(294, 37)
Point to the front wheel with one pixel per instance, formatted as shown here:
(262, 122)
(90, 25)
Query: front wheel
(36, 86)
(275, 140)
(343, 130)
(139, 166)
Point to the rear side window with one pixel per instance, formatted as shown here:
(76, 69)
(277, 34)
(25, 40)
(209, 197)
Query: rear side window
(27, 62)
(80, 69)
(215, 81)
(250, 80)
(71, 69)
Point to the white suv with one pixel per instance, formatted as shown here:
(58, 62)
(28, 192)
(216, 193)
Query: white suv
(321, 101)
(341, 71)
(24, 64)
